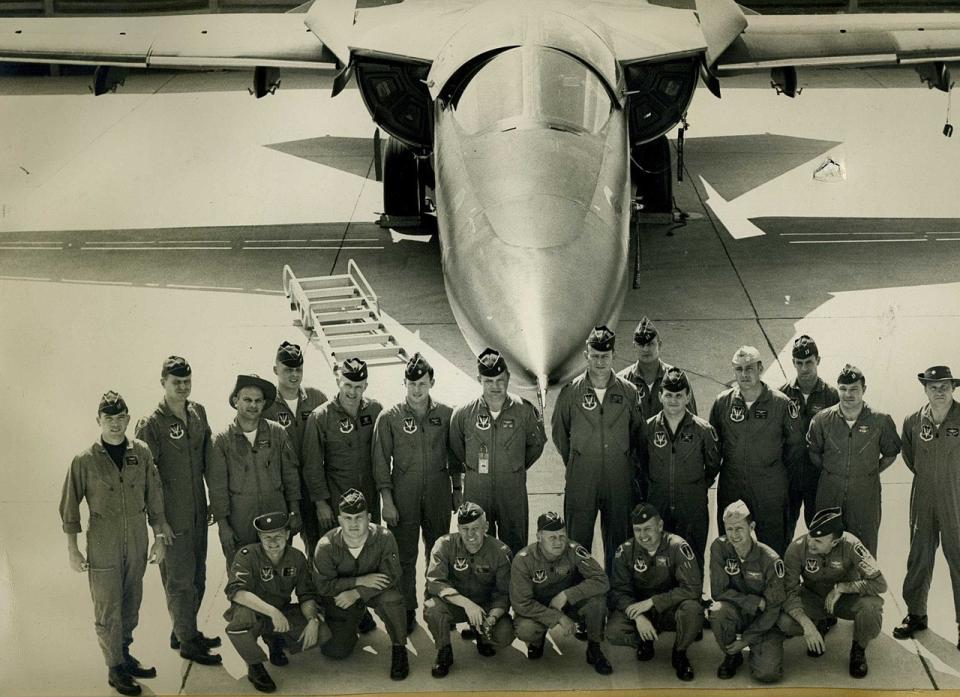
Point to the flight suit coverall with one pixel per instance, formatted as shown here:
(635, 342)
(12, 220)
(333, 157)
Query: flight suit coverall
(649, 397)
(117, 544)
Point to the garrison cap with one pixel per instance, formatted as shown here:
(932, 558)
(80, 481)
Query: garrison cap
(271, 522)
(112, 404)
(675, 380)
(645, 331)
(490, 363)
(468, 512)
(828, 521)
(290, 355)
(176, 366)
(550, 522)
(253, 380)
(601, 339)
(736, 512)
(643, 512)
(804, 347)
(352, 501)
(417, 367)
(746, 355)
(851, 375)
(937, 373)
(354, 369)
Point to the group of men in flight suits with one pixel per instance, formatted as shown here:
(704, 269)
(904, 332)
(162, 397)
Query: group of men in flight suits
(635, 453)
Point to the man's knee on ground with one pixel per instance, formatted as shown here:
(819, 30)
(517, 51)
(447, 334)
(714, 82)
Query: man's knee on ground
(503, 632)
(724, 613)
(529, 631)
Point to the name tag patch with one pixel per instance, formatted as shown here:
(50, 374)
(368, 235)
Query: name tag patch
(953, 432)
(435, 421)
(760, 414)
(616, 398)
(863, 429)
(289, 571)
(366, 420)
(686, 437)
(507, 423)
(131, 460)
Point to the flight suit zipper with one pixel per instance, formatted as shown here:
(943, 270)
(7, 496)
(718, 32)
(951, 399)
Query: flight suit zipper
(123, 513)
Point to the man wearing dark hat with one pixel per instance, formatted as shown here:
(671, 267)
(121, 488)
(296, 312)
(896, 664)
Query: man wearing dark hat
(468, 580)
(291, 408)
(412, 470)
(179, 438)
(262, 580)
(682, 462)
(829, 574)
(252, 468)
(119, 481)
(931, 449)
(851, 444)
(555, 583)
(648, 372)
(357, 566)
(760, 442)
(497, 438)
(746, 582)
(810, 395)
(599, 431)
(655, 587)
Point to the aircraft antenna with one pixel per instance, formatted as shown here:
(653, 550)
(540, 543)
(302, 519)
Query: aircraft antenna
(542, 394)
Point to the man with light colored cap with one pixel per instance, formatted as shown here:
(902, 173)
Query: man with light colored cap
(830, 574)
(261, 582)
(555, 583)
(291, 408)
(252, 468)
(599, 431)
(649, 370)
(851, 444)
(760, 442)
(746, 582)
(180, 440)
(496, 438)
(357, 566)
(119, 482)
(468, 580)
(931, 450)
(811, 395)
(655, 587)
(413, 467)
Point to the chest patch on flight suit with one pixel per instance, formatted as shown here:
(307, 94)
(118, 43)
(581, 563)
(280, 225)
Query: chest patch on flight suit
(266, 573)
(265, 443)
(737, 413)
(836, 564)
(507, 423)
(661, 561)
(686, 437)
(283, 418)
(436, 421)
(589, 401)
(409, 425)
(346, 426)
(954, 432)
(863, 429)
(176, 431)
(640, 566)
(811, 566)
(778, 568)
(761, 414)
(482, 568)
(794, 410)
(460, 564)
(754, 575)
(926, 433)
(731, 567)
(289, 571)
(616, 398)
(483, 422)
(366, 420)
(131, 460)
(660, 439)
(815, 408)
(540, 576)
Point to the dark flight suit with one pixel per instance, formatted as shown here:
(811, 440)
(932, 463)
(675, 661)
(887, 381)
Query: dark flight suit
(413, 458)
(483, 577)
(933, 455)
(810, 577)
(803, 481)
(181, 452)
(309, 399)
(737, 585)
(758, 447)
(678, 470)
(337, 571)
(117, 542)
(649, 397)
(252, 571)
(670, 577)
(601, 446)
(848, 460)
(337, 454)
(534, 581)
(513, 441)
(246, 481)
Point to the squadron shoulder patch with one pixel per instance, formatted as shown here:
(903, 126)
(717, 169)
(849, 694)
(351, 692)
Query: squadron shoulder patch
(778, 567)
(141, 424)
(867, 564)
(793, 410)
(686, 551)
(582, 552)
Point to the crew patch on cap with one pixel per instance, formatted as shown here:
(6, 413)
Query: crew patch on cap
(736, 512)
(271, 522)
(468, 512)
(601, 339)
(111, 403)
(804, 347)
(490, 363)
(550, 522)
(746, 355)
(645, 331)
(850, 375)
(352, 501)
(354, 369)
(828, 521)
(643, 512)
(417, 367)
(177, 366)
(290, 355)
(675, 380)
(936, 373)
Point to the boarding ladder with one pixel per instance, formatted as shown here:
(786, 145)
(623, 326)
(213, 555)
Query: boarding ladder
(341, 314)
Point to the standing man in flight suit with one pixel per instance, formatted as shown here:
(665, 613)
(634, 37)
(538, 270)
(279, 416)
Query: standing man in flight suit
(468, 580)
(262, 579)
(555, 583)
(683, 459)
(931, 449)
(760, 441)
(810, 395)
(851, 444)
(655, 587)
(746, 581)
(357, 566)
(119, 481)
(497, 438)
(291, 408)
(829, 574)
(180, 440)
(648, 372)
(252, 468)
(599, 431)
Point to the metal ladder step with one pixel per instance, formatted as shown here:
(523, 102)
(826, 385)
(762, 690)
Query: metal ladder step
(352, 328)
(335, 292)
(353, 303)
(342, 315)
(339, 342)
(365, 353)
(325, 281)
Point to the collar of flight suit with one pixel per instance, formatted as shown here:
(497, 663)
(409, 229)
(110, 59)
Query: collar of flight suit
(234, 426)
(764, 393)
(953, 413)
(431, 406)
(837, 413)
(301, 395)
(751, 555)
(661, 371)
(661, 420)
(662, 548)
(538, 554)
(818, 387)
(611, 381)
(99, 444)
(165, 409)
(364, 404)
(337, 539)
(508, 401)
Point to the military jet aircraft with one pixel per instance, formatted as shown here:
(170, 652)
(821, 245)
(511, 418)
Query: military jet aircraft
(535, 123)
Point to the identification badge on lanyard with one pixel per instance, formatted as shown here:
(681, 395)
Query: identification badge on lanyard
(483, 460)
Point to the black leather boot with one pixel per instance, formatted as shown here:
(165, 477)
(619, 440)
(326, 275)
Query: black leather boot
(596, 658)
(399, 666)
(120, 681)
(260, 678)
(444, 660)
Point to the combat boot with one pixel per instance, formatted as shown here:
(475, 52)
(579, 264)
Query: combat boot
(645, 650)
(681, 664)
(484, 647)
(120, 681)
(277, 656)
(260, 678)
(194, 651)
(910, 625)
(535, 651)
(596, 658)
(133, 668)
(208, 642)
(729, 666)
(444, 660)
(858, 661)
(580, 632)
(367, 623)
(399, 666)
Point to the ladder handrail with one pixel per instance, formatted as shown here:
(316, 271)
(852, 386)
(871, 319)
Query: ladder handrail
(366, 290)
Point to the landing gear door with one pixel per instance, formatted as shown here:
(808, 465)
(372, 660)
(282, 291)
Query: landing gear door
(396, 95)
